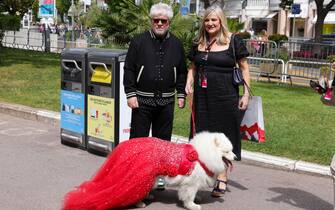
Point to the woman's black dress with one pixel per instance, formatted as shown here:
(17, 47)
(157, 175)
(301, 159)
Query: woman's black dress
(216, 107)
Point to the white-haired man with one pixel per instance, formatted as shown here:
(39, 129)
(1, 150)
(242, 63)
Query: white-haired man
(154, 69)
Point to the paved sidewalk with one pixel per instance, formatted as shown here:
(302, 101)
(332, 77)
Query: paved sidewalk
(247, 156)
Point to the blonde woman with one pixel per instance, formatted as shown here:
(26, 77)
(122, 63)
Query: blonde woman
(216, 104)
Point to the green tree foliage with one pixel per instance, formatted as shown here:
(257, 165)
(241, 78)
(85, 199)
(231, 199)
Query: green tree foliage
(11, 13)
(285, 4)
(91, 17)
(8, 22)
(17, 7)
(185, 28)
(63, 7)
(35, 8)
(125, 19)
(278, 38)
(234, 25)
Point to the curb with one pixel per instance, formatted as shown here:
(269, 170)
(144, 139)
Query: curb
(29, 113)
(254, 158)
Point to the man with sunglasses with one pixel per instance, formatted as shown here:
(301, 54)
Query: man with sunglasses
(154, 69)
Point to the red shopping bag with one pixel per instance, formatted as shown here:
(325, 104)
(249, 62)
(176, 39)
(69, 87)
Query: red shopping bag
(252, 125)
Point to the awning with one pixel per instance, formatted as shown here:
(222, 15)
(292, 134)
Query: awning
(271, 15)
(232, 16)
(329, 19)
(303, 13)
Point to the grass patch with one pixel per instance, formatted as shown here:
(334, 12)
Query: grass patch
(30, 78)
(297, 125)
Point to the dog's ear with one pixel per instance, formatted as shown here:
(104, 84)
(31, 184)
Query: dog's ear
(217, 141)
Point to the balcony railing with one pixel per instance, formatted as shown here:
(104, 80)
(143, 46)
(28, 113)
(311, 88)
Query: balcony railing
(258, 3)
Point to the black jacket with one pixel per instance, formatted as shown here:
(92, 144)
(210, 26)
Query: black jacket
(155, 68)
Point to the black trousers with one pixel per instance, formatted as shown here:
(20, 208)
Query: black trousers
(159, 117)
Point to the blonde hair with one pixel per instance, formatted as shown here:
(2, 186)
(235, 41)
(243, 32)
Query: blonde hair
(222, 37)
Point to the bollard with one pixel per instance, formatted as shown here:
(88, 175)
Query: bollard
(332, 170)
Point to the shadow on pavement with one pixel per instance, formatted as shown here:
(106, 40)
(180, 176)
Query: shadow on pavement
(236, 185)
(298, 198)
(170, 196)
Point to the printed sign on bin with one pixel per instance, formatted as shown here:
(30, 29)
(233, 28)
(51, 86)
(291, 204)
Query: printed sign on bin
(100, 117)
(72, 111)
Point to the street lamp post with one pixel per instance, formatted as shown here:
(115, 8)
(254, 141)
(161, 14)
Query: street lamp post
(72, 21)
(287, 8)
(71, 13)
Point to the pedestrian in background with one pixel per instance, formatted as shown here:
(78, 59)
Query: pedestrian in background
(263, 39)
(329, 85)
(216, 104)
(251, 32)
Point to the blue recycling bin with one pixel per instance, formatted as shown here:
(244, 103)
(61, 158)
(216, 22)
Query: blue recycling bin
(73, 97)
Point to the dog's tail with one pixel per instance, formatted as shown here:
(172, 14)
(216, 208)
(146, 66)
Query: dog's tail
(114, 185)
(107, 194)
(84, 197)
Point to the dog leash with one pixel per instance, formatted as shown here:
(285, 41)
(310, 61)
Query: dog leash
(192, 114)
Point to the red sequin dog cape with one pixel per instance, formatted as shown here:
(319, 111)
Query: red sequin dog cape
(129, 173)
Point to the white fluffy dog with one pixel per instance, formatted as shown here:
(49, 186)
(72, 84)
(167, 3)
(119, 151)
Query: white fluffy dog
(112, 187)
(214, 149)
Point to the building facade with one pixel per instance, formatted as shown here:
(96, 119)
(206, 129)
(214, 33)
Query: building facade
(266, 14)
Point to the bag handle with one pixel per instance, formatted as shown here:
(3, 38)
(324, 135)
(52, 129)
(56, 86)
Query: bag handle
(233, 46)
(234, 55)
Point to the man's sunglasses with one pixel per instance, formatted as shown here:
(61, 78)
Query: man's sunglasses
(163, 21)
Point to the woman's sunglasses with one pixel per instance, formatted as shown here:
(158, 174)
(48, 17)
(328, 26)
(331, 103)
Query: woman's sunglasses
(157, 20)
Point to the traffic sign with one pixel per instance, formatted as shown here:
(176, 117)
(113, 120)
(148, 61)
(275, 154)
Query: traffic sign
(295, 9)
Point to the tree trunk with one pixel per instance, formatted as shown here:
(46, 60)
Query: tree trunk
(318, 30)
(207, 3)
(319, 25)
(322, 11)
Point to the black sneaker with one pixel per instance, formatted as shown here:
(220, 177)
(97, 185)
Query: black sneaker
(317, 87)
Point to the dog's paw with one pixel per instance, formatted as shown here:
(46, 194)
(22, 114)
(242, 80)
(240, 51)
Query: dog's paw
(198, 199)
(141, 204)
(193, 206)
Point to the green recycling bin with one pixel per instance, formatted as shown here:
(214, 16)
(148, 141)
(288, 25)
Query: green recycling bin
(108, 116)
(73, 97)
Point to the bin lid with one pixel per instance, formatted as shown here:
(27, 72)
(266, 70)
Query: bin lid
(74, 52)
(102, 54)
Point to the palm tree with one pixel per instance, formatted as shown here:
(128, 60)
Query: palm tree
(234, 25)
(125, 19)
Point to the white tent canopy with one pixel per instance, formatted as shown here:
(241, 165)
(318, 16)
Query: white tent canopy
(271, 15)
(330, 18)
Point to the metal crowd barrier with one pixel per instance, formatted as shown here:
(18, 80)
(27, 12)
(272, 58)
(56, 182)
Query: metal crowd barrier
(308, 60)
(298, 60)
(22, 40)
(261, 49)
(31, 40)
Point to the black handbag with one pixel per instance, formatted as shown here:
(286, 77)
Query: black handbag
(237, 72)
